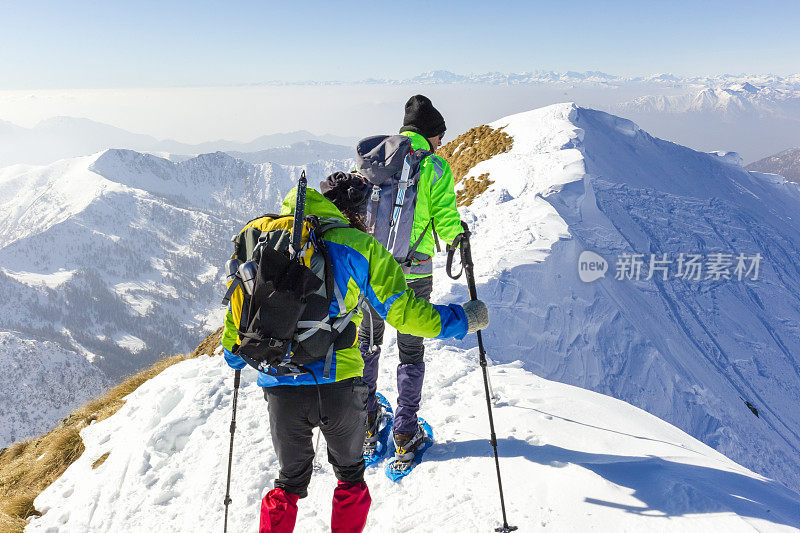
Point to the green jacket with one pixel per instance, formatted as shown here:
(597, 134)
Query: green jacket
(436, 201)
(361, 265)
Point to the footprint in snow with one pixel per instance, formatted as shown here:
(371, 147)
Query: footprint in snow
(169, 400)
(164, 498)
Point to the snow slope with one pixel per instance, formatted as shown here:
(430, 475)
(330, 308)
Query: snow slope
(45, 376)
(689, 352)
(572, 460)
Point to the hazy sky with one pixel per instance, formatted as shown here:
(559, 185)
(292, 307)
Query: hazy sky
(114, 44)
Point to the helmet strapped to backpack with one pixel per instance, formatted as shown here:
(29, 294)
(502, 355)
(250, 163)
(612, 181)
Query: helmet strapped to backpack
(393, 168)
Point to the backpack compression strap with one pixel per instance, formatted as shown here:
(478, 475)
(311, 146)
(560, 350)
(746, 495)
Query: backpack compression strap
(234, 284)
(307, 328)
(410, 256)
(398, 204)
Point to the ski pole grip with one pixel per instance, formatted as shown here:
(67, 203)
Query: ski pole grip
(461, 240)
(466, 261)
(466, 249)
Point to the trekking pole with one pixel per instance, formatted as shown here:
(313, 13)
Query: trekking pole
(491, 390)
(236, 379)
(467, 266)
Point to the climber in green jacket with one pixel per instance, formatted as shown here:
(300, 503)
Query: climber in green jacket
(435, 214)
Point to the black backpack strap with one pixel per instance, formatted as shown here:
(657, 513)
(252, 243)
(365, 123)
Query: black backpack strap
(333, 225)
(229, 293)
(412, 251)
(435, 237)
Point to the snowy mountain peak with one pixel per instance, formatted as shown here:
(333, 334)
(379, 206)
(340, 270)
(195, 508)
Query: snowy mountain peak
(439, 76)
(579, 179)
(745, 87)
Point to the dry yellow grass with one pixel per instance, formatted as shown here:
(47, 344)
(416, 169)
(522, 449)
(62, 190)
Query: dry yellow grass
(29, 467)
(469, 149)
(472, 188)
(100, 460)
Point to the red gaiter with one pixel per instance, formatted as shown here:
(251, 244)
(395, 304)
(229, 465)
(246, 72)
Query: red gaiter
(278, 512)
(351, 503)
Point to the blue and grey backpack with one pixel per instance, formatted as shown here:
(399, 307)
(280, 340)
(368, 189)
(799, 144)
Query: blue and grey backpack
(392, 167)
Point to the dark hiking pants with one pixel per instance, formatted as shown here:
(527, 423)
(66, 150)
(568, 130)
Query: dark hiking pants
(295, 410)
(410, 371)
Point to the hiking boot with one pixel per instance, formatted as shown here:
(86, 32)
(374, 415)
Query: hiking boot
(406, 444)
(373, 430)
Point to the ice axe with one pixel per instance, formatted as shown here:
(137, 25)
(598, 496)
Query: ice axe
(467, 267)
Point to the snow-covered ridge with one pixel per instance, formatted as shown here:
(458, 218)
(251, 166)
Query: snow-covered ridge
(46, 376)
(786, 164)
(692, 353)
(572, 461)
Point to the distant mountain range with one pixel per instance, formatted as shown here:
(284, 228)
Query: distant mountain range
(534, 77)
(754, 115)
(63, 137)
(786, 164)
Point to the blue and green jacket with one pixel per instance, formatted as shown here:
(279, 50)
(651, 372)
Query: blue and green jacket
(361, 266)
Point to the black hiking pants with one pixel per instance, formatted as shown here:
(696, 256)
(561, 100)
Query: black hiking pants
(294, 412)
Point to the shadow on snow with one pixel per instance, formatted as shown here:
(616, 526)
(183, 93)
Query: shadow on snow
(665, 488)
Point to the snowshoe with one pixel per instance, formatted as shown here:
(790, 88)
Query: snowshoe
(376, 440)
(409, 452)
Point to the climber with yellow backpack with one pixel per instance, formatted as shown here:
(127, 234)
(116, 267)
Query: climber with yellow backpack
(296, 282)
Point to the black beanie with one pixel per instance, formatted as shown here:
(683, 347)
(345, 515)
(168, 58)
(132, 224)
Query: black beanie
(421, 117)
(348, 192)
